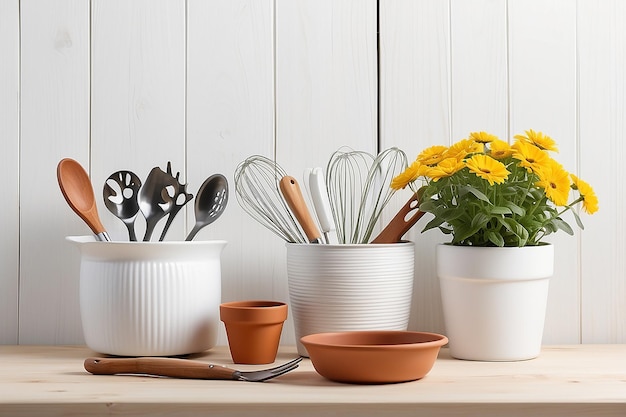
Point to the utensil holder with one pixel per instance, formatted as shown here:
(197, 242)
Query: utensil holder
(345, 287)
(149, 298)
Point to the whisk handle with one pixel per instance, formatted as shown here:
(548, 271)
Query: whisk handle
(293, 196)
(400, 224)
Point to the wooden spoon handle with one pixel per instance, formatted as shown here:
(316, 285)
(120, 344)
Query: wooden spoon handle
(293, 196)
(78, 192)
(171, 367)
(400, 224)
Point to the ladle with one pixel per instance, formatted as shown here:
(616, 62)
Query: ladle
(120, 197)
(210, 202)
(78, 192)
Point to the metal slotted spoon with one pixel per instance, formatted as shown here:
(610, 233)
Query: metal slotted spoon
(120, 193)
(258, 193)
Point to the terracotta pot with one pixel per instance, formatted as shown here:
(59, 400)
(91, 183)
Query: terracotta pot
(253, 329)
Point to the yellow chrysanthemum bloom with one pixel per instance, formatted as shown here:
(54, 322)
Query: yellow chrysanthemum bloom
(555, 180)
(445, 168)
(433, 155)
(531, 157)
(463, 148)
(413, 172)
(499, 149)
(590, 199)
(539, 140)
(488, 168)
(483, 137)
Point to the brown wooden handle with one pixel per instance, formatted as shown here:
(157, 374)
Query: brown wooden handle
(172, 367)
(400, 224)
(293, 196)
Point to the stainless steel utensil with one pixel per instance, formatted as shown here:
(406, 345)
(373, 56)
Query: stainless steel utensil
(258, 193)
(387, 165)
(157, 197)
(78, 192)
(120, 197)
(346, 175)
(182, 368)
(295, 200)
(180, 197)
(210, 202)
(359, 189)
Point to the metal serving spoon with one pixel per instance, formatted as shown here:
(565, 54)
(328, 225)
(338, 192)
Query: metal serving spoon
(210, 202)
(120, 197)
(78, 192)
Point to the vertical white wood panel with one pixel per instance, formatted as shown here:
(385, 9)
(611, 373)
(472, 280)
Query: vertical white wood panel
(326, 86)
(415, 114)
(479, 68)
(54, 124)
(542, 67)
(602, 65)
(326, 80)
(230, 116)
(137, 96)
(9, 167)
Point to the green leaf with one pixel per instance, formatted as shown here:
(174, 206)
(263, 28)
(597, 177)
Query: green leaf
(476, 193)
(433, 224)
(578, 221)
(563, 225)
(515, 209)
(480, 220)
(495, 238)
(500, 210)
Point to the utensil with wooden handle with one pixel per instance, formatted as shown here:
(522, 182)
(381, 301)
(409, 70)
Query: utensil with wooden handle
(182, 368)
(406, 217)
(78, 192)
(295, 200)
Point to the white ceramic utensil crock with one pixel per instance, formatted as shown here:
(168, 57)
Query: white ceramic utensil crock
(149, 298)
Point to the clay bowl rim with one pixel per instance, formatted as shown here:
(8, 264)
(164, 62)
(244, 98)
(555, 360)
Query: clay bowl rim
(434, 340)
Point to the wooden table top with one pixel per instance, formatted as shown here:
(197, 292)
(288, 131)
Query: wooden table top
(576, 380)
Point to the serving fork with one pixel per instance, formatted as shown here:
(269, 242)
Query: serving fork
(182, 368)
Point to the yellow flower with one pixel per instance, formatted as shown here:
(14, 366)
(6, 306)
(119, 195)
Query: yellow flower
(488, 168)
(445, 168)
(409, 175)
(539, 140)
(499, 149)
(483, 137)
(590, 199)
(432, 155)
(463, 148)
(531, 157)
(555, 180)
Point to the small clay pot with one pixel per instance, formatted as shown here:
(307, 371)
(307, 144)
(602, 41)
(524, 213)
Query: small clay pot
(253, 329)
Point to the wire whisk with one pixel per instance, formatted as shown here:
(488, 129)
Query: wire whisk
(359, 189)
(257, 189)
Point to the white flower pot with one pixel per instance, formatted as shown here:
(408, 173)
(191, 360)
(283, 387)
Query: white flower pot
(494, 300)
(335, 288)
(149, 298)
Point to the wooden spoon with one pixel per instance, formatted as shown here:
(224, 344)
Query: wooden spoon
(78, 192)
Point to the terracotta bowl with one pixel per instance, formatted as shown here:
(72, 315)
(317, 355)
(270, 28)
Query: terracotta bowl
(373, 357)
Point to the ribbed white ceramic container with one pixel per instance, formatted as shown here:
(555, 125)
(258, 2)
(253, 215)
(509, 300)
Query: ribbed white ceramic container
(349, 287)
(149, 298)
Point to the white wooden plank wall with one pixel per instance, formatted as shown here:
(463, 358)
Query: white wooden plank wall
(204, 84)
